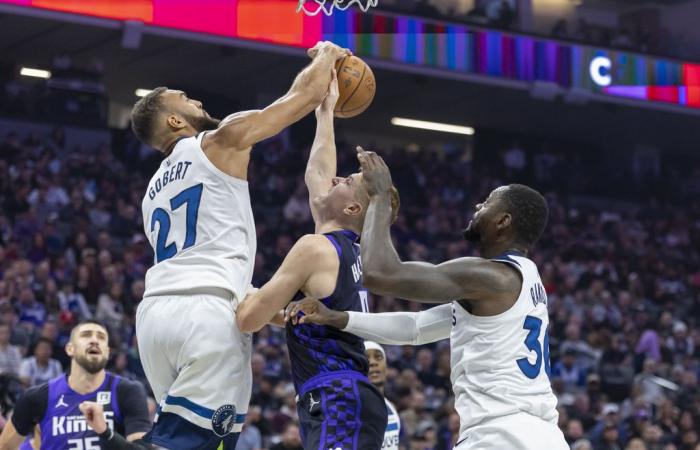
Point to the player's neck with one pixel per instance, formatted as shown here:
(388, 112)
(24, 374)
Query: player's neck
(82, 381)
(332, 225)
(498, 248)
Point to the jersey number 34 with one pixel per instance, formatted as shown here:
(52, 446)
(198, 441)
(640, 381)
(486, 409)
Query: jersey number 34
(532, 342)
(191, 197)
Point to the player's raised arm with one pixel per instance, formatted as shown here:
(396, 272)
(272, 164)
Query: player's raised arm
(241, 130)
(322, 164)
(395, 328)
(384, 272)
(311, 265)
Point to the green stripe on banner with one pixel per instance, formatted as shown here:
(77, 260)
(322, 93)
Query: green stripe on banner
(221, 446)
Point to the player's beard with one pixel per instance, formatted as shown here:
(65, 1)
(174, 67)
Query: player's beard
(202, 123)
(470, 233)
(91, 366)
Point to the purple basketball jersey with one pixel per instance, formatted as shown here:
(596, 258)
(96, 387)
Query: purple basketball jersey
(63, 425)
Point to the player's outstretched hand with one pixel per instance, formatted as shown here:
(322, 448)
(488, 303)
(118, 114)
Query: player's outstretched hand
(339, 52)
(95, 415)
(328, 105)
(375, 172)
(310, 310)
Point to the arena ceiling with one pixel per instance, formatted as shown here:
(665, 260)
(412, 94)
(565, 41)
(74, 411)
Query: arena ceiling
(231, 77)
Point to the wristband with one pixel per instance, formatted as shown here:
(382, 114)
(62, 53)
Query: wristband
(107, 435)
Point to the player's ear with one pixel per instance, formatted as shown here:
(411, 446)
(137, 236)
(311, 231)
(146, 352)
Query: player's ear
(70, 349)
(505, 221)
(176, 122)
(353, 209)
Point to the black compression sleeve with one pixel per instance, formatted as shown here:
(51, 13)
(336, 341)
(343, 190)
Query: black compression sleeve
(131, 396)
(109, 440)
(30, 409)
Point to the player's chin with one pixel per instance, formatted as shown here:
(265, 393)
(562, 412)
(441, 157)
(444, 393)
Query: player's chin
(375, 378)
(470, 234)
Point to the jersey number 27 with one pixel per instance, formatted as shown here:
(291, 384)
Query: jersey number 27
(532, 342)
(190, 196)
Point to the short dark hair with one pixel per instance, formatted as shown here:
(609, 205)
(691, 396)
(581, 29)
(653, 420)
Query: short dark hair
(144, 115)
(85, 322)
(529, 212)
(42, 340)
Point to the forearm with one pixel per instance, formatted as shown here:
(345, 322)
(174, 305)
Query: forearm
(313, 81)
(379, 256)
(402, 328)
(322, 162)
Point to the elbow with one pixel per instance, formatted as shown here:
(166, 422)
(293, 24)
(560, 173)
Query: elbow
(246, 323)
(373, 279)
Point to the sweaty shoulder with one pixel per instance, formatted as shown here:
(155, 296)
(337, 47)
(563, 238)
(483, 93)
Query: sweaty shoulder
(229, 135)
(311, 247)
(320, 262)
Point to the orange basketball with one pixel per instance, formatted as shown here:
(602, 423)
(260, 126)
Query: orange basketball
(356, 87)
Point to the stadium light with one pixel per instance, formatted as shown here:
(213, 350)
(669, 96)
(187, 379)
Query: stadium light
(434, 126)
(142, 92)
(35, 73)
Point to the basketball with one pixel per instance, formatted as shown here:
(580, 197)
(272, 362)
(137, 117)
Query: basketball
(356, 86)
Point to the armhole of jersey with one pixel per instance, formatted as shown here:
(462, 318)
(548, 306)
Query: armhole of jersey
(114, 388)
(200, 137)
(336, 244)
(339, 250)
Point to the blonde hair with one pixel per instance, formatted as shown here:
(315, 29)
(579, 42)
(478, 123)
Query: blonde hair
(363, 197)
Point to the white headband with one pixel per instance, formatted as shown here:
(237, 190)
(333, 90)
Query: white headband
(371, 345)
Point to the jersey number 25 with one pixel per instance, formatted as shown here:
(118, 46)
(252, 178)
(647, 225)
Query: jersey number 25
(190, 196)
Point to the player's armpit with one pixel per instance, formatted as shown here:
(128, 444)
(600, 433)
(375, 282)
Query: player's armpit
(308, 266)
(463, 278)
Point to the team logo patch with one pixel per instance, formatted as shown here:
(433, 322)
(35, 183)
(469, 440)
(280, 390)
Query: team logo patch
(223, 420)
(104, 397)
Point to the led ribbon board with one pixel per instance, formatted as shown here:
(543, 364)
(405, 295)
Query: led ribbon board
(417, 42)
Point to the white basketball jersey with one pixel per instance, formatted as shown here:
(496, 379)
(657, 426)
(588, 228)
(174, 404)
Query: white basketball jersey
(200, 224)
(393, 428)
(500, 364)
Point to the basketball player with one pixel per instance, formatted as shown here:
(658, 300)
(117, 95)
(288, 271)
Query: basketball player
(377, 376)
(198, 219)
(54, 406)
(498, 328)
(338, 407)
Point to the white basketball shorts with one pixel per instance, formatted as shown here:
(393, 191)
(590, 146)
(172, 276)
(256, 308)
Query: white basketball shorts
(196, 359)
(520, 431)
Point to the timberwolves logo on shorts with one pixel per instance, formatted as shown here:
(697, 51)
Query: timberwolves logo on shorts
(223, 420)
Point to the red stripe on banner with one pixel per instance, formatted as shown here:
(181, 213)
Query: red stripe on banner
(209, 16)
(691, 78)
(270, 20)
(663, 93)
(112, 9)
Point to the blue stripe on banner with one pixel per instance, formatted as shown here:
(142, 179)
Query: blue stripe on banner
(392, 427)
(195, 408)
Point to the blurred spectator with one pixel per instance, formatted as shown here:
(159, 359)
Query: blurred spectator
(10, 356)
(40, 368)
(291, 440)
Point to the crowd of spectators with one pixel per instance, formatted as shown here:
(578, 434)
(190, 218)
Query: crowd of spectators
(623, 284)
